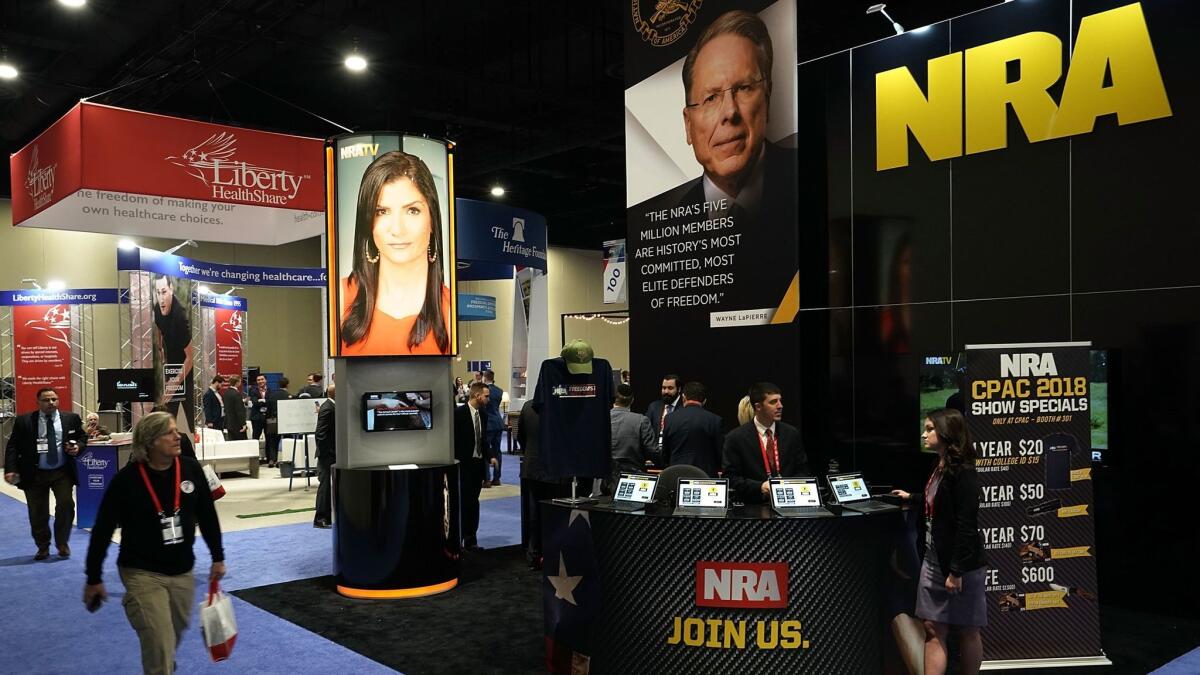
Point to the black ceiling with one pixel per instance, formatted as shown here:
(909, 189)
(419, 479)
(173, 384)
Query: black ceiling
(530, 91)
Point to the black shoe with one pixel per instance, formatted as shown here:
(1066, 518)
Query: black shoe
(473, 547)
(42, 554)
(64, 551)
(322, 524)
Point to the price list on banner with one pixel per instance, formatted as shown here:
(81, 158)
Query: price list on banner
(1028, 411)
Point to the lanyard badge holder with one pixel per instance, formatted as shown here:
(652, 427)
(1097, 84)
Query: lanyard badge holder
(172, 528)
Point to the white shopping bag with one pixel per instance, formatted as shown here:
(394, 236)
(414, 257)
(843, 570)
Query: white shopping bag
(214, 482)
(217, 624)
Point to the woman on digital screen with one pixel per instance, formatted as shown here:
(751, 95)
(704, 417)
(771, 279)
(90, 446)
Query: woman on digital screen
(395, 300)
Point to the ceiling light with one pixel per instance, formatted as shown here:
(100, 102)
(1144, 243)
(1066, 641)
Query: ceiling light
(356, 63)
(55, 285)
(8, 71)
(74, 4)
(126, 245)
(879, 9)
(497, 191)
(204, 289)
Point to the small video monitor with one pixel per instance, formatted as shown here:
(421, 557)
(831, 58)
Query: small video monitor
(397, 411)
(793, 492)
(703, 493)
(125, 385)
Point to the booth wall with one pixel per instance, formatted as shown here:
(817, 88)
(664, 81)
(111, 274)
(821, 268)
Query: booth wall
(576, 285)
(285, 323)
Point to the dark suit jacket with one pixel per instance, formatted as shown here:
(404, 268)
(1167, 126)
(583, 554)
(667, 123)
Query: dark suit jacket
(235, 410)
(495, 421)
(258, 411)
(743, 462)
(464, 433)
(693, 436)
(273, 398)
(21, 454)
(212, 408)
(326, 433)
(654, 412)
(955, 524)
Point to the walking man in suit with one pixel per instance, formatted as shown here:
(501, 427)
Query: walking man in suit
(693, 435)
(40, 459)
(214, 410)
(470, 448)
(763, 448)
(326, 434)
(495, 426)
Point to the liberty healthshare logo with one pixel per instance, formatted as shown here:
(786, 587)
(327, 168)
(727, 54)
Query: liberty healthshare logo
(39, 182)
(212, 163)
(669, 21)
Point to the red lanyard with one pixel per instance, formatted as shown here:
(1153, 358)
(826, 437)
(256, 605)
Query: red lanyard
(762, 444)
(662, 422)
(153, 495)
(928, 497)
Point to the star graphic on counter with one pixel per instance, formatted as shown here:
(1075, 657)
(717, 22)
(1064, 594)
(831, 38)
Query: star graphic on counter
(579, 513)
(564, 585)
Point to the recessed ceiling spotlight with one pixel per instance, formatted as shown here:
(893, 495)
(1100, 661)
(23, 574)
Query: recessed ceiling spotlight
(356, 63)
(55, 285)
(8, 71)
(497, 191)
(73, 4)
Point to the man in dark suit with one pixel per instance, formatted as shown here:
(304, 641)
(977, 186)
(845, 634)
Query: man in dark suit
(470, 448)
(258, 395)
(235, 410)
(274, 396)
(660, 408)
(40, 459)
(213, 410)
(495, 428)
(765, 447)
(326, 434)
(693, 435)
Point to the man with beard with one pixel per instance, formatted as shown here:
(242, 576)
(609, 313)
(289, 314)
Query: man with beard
(173, 343)
(659, 408)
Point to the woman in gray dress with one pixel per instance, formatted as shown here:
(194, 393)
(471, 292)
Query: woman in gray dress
(951, 588)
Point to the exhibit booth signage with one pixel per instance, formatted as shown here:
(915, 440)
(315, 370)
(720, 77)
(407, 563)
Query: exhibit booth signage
(496, 233)
(105, 169)
(149, 260)
(474, 307)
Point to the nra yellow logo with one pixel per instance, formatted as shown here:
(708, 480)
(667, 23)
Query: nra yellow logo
(971, 88)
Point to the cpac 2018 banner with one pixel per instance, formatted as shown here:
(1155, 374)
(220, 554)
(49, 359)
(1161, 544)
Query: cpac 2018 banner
(1028, 413)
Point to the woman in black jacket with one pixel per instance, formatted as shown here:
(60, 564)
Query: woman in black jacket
(951, 589)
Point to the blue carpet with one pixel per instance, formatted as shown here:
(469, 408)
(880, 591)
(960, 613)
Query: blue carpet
(1188, 664)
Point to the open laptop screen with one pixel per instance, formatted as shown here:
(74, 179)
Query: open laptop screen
(850, 487)
(635, 488)
(702, 492)
(788, 492)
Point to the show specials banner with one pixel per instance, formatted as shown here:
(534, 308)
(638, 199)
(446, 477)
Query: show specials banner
(105, 169)
(711, 175)
(228, 319)
(1028, 413)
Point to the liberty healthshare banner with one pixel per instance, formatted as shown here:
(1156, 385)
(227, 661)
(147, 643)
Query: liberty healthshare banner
(228, 320)
(1028, 413)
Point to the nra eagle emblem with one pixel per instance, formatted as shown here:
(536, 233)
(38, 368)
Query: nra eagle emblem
(669, 21)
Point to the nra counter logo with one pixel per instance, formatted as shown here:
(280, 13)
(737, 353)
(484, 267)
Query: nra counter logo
(39, 182)
(668, 21)
(746, 585)
(212, 163)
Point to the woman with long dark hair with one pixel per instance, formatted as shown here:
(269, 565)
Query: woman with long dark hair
(395, 300)
(951, 588)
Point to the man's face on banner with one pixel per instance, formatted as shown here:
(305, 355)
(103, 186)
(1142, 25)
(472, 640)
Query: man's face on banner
(163, 295)
(726, 131)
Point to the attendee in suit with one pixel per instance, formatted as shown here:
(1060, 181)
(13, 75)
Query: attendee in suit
(213, 410)
(312, 386)
(693, 435)
(540, 486)
(633, 438)
(40, 459)
(235, 410)
(495, 428)
(660, 408)
(273, 398)
(258, 395)
(470, 449)
(765, 447)
(326, 435)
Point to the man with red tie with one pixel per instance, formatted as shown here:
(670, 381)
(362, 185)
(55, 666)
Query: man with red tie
(660, 408)
(765, 447)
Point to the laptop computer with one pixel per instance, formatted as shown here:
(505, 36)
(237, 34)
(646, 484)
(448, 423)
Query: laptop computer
(634, 492)
(702, 497)
(796, 498)
(850, 491)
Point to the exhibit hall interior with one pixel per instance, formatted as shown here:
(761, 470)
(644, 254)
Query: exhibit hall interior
(691, 336)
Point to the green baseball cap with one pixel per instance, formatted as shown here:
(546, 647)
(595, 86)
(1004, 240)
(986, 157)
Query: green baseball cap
(578, 355)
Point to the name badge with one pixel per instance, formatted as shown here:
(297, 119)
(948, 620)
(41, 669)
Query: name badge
(172, 529)
(43, 446)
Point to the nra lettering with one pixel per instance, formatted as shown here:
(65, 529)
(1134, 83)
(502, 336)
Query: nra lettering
(359, 150)
(1114, 44)
(748, 585)
(727, 634)
(1024, 365)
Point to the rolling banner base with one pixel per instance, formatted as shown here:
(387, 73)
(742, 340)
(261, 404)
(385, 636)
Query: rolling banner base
(1028, 411)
